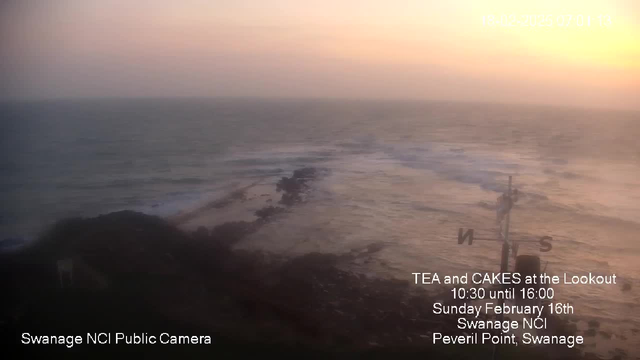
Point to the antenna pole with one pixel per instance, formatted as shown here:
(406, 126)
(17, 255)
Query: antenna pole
(504, 263)
(506, 226)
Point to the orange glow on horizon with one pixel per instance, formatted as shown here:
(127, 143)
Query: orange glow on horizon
(327, 39)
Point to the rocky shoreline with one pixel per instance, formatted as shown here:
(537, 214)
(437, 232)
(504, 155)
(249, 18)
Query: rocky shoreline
(141, 274)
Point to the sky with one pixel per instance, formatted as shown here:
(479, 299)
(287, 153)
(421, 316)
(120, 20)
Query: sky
(387, 49)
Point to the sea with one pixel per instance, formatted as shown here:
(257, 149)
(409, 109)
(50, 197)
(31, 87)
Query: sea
(403, 174)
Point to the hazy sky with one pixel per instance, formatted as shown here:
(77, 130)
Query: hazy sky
(321, 48)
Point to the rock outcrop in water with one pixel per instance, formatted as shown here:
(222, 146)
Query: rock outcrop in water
(268, 212)
(138, 273)
(294, 187)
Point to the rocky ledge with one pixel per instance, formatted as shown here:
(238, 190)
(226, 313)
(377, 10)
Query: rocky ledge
(137, 273)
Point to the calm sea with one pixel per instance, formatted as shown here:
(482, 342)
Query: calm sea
(404, 174)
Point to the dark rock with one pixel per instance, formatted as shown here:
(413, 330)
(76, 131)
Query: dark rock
(231, 232)
(605, 334)
(590, 333)
(289, 185)
(160, 279)
(375, 247)
(269, 211)
(294, 186)
(591, 356)
(290, 199)
(305, 173)
(594, 323)
(201, 234)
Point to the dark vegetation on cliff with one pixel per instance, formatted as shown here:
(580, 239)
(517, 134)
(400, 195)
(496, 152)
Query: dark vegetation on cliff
(139, 273)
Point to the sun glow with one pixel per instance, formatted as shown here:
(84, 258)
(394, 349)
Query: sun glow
(335, 48)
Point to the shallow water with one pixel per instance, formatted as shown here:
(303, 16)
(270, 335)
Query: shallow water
(406, 175)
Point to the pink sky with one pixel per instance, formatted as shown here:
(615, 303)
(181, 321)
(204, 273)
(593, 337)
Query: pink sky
(285, 48)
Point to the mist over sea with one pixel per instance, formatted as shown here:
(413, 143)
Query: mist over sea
(405, 175)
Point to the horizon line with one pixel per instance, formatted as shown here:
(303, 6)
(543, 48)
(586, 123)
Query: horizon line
(316, 98)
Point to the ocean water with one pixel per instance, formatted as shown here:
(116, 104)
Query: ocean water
(403, 174)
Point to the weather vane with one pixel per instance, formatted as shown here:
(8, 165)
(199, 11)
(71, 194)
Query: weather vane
(504, 205)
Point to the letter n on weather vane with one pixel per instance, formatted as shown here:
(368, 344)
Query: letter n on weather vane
(504, 207)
